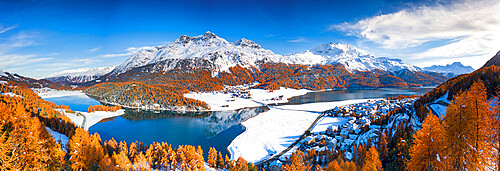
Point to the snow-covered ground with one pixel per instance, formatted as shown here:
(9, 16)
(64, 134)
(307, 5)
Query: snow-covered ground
(50, 93)
(91, 118)
(439, 109)
(273, 131)
(221, 101)
(11, 94)
(437, 105)
(59, 137)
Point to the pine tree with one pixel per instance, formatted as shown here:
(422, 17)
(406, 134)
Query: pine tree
(212, 157)
(333, 166)
(466, 130)
(382, 147)
(220, 161)
(427, 151)
(121, 161)
(494, 132)
(241, 165)
(372, 161)
(141, 163)
(229, 163)
(297, 162)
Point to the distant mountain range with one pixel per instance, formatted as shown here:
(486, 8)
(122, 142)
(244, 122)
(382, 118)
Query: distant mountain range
(209, 51)
(15, 79)
(450, 70)
(79, 75)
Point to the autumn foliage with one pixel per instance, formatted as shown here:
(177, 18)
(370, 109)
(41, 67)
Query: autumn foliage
(103, 108)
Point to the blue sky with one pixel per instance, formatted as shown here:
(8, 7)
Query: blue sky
(40, 38)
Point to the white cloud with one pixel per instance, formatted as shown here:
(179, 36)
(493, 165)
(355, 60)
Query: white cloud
(299, 40)
(129, 51)
(463, 29)
(137, 49)
(5, 29)
(94, 49)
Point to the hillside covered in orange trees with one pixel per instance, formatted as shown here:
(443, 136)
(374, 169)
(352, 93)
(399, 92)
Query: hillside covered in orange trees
(489, 76)
(148, 85)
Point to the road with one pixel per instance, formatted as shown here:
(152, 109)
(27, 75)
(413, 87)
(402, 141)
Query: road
(277, 156)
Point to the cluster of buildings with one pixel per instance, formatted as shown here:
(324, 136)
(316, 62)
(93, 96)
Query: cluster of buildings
(237, 92)
(361, 126)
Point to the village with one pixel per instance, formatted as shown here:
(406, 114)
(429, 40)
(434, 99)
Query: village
(366, 121)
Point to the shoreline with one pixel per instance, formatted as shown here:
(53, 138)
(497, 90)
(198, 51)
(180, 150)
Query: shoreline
(283, 125)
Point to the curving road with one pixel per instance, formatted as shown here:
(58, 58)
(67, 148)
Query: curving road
(277, 156)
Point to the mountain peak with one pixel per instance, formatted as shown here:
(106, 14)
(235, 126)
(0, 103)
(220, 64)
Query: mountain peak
(334, 49)
(456, 64)
(80, 75)
(246, 43)
(456, 68)
(209, 34)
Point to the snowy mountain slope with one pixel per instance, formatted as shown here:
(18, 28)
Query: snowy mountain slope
(27, 81)
(208, 47)
(456, 68)
(332, 53)
(80, 75)
(221, 55)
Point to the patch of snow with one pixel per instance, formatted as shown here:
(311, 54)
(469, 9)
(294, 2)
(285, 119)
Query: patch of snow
(90, 118)
(51, 93)
(221, 55)
(80, 75)
(63, 139)
(11, 94)
(352, 59)
(220, 101)
(439, 109)
(273, 131)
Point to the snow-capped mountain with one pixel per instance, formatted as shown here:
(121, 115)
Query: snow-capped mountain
(80, 75)
(2, 73)
(219, 55)
(352, 59)
(205, 48)
(454, 69)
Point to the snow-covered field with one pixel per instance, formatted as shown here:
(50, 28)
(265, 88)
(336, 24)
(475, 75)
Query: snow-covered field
(91, 118)
(50, 93)
(273, 131)
(220, 101)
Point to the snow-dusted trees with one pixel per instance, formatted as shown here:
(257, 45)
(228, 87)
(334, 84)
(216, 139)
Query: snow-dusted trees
(297, 162)
(466, 130)
(212, 157)
(427, 151)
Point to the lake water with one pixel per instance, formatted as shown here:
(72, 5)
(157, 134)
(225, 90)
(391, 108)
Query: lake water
(76, 103)
(205, 129)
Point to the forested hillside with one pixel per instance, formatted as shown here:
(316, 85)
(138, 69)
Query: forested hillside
(489, 76)
(172, 84)
(134, 95)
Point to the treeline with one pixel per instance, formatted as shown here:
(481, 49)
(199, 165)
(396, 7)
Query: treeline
(468, 138)
(103, 108)
(170, 85)
(363, 159)
(37, 107)
(488, 75)
(25, 143)
(134, 94)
